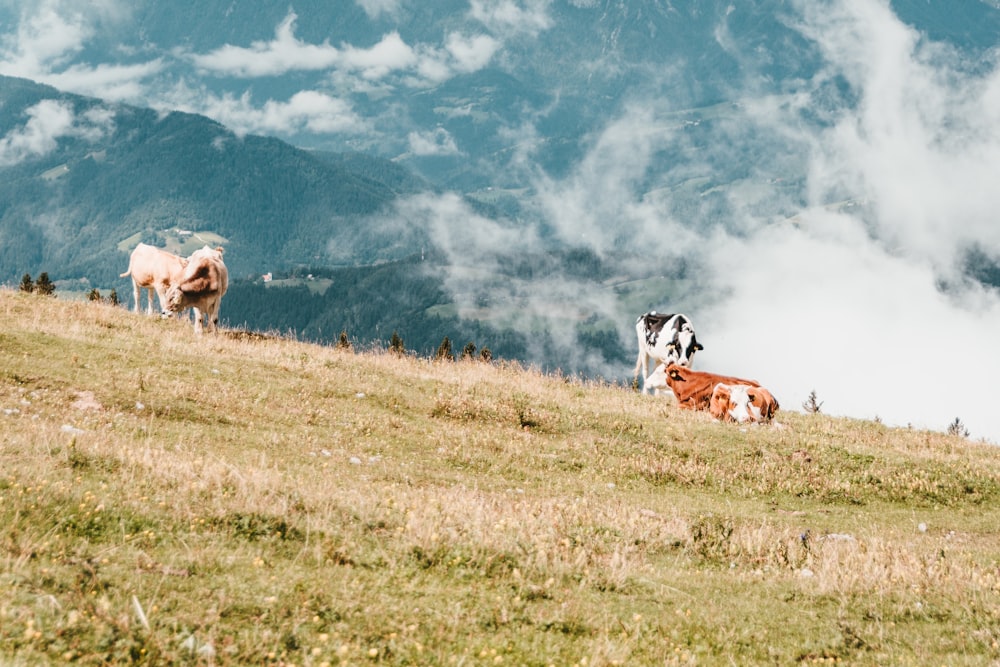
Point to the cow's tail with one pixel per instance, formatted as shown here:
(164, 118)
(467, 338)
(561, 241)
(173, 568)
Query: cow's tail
(635, 374)
(126, 274)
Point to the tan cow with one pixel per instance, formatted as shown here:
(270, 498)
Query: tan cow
(153, 269)
(201, 287)
(742, 403)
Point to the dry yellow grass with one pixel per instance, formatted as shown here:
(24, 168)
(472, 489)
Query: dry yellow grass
(167, 498)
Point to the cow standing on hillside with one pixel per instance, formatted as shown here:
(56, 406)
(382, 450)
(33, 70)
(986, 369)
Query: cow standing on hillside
(153, 269)
(201, 287)
(666, 339)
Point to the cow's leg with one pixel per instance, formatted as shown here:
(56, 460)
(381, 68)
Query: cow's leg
(149, 300)
(198, 316)
(136, 296)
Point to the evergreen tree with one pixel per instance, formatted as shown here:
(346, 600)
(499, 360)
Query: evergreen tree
(94, 295)
(396, 344)
(43, 285)
(113, 297)
(343, 343)
(444, 351)
(811, 404)
(485, 355)
(958, 428)
(26, 284)
(470, 351)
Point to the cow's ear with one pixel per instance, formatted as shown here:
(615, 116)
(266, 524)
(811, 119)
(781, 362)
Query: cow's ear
(698, 346)
(674, 374)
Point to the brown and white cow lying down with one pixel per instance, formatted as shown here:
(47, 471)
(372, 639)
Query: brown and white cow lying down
(742, 403)
(201, 287)
(153, 269)
(693, 389)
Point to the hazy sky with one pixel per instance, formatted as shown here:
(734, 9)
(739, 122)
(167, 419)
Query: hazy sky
(844, 300)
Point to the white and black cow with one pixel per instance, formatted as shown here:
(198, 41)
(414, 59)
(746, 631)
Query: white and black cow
(666, 339)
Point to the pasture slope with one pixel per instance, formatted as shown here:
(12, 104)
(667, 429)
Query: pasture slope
(229, 500)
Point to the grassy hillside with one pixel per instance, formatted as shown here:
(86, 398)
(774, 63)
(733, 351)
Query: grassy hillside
(231, 500)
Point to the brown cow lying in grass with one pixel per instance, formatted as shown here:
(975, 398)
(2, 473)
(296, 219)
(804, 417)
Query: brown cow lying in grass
(726, 398)
(693, 389)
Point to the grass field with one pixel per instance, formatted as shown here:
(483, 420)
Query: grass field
(230, 500)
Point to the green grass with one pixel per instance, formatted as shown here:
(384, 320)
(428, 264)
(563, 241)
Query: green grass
(166, 498)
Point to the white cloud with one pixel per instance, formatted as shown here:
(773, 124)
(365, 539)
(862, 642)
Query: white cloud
(507, 17)
(285, 53)
(51, 34)
(306, 111)
(45, 38)
(471, 53)
(434, 142)
(48, 122)
(924, 142)
(390, 57)
(118, 83)
(391, 54)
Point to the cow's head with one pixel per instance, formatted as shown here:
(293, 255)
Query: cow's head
(742, 403)
(684, 344)
(674, 373)
(174, 298)
(761, 403)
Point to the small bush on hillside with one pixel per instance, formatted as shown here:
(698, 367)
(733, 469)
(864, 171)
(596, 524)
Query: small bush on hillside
(444, 352)
(94, 295)
(44, 286)
(343, 343)
(396, 344)
(958, 428)
(27, 285)
(113, 297)
(469, 351)
(485, 355)
(811, 404)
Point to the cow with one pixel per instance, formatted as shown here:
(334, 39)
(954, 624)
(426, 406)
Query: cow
(742, 403)
(693, 389)
(153, 269)
(201, 287)
(665, 339)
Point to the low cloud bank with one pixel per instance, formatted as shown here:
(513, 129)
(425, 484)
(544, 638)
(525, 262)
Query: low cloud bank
(860, 295)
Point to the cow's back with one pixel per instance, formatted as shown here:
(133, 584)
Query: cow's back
(693, 389)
